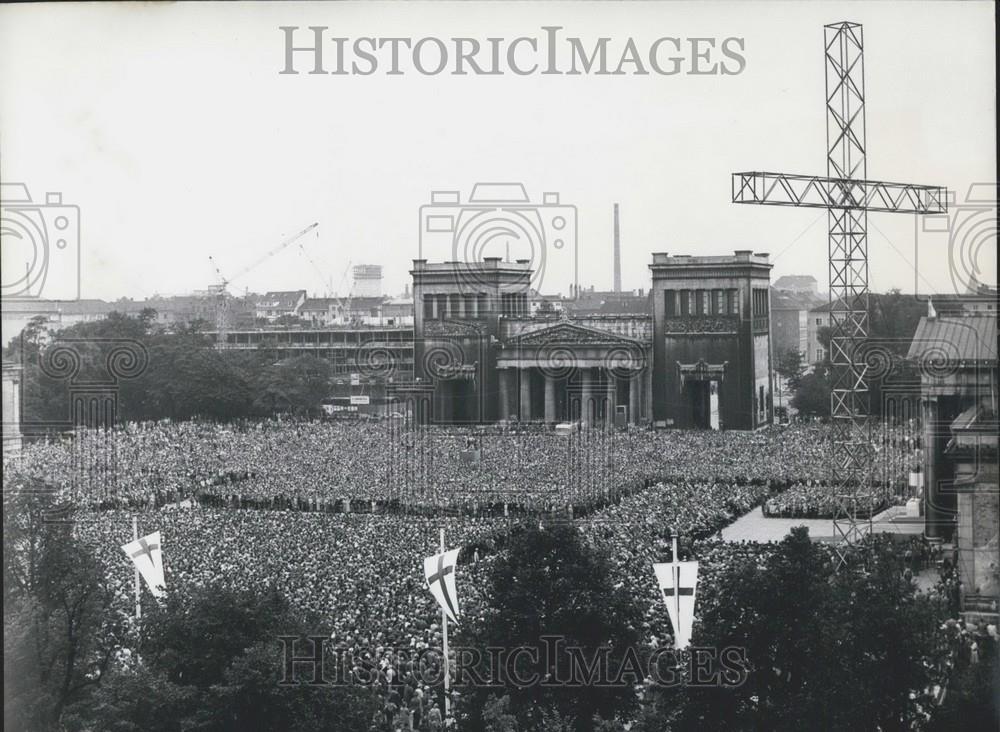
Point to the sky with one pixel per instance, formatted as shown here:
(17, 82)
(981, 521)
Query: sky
(171, 129)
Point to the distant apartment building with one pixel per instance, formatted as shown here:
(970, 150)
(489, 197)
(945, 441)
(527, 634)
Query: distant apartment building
(790, 321)
(797, 284)
(976, 299)
(607, 302)
(818, 318)
(56, 314)
(272, 305)
(397, 311)
(322, 311)
(170, 310)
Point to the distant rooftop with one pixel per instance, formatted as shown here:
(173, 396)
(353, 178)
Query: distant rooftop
(739, 256)
(970, 338)
(789, 300)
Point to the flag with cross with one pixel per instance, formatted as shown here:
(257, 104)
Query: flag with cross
(146, 554)
(440, 573)
(677, 581)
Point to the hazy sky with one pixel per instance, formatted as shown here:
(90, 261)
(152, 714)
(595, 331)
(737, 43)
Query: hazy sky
(173, 131)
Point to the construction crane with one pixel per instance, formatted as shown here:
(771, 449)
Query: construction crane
(222, 304)
(328, 283)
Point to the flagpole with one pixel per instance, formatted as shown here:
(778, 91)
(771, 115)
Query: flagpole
(135, 537)
(676, 572)
(444, 639)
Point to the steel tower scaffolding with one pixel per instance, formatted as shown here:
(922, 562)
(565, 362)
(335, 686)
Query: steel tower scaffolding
(848, 196)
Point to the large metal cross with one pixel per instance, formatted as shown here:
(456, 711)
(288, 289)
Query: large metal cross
(848, 196)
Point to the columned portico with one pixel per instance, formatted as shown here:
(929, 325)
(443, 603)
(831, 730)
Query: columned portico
(584, 373)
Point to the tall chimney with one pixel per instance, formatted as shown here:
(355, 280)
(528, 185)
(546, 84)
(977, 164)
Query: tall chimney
(618, 255)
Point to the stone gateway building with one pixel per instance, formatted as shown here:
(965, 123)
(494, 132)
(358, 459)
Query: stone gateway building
(711, 341)
(697, 355)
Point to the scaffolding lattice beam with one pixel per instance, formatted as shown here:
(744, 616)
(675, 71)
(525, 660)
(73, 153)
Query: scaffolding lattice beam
(811, 191)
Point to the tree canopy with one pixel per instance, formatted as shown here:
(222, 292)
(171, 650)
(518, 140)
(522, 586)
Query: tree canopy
(551, 590)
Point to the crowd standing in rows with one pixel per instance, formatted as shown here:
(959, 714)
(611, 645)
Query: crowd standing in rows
(320, 465)
(358, 575)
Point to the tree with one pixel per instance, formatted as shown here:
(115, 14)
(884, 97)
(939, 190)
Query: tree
(551, 584)
(893, 319)
(790, 368)
(211, 660)
(295, 385)
(818, 644)
(812, 397)
(132, 699)
(497, 716)
(61, 627)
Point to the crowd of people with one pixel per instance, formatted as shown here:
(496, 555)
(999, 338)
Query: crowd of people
(332, 542)
(818, 500)
(359, 577)
(356, 578)
(321, 466)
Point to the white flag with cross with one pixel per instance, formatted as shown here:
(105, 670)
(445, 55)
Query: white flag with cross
(439, 571)
(677, 581)
(146, 553)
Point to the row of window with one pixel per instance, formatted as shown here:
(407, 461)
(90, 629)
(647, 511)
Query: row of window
(681, 303)
(456, 306)
(761, 301)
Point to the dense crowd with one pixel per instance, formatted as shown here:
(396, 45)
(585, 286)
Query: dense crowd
(321, 465)
(358, 575)
(357, 578)
(637, 533)
(819, 500)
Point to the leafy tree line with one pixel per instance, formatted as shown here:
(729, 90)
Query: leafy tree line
(183, 375)
(854, 648)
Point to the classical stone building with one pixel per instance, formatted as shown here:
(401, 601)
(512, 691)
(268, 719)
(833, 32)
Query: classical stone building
(711, 341)
(957, 359)
(480, 355)
(458, 308)
(589, 368)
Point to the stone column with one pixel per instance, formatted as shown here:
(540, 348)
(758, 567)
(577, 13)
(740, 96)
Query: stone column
(550, 398)
(586, 395)
(525, 394)
(505, 375)
(935, 516)
(474, 303)
(634, 387)
(607, 397)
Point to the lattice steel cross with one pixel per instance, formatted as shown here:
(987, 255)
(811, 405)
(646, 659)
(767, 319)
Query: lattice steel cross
(848, 196)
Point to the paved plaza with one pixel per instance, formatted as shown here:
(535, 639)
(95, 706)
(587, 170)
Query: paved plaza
(754, 526)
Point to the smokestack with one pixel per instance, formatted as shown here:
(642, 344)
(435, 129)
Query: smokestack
(618, 255)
